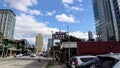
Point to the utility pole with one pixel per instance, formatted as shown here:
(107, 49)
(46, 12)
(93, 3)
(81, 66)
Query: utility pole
(53, 47)
(68, 42)
(3, 51)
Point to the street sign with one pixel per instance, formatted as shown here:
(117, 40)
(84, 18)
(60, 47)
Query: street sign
(60, 33)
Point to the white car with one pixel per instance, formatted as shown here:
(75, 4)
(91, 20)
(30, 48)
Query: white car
(33, 55)
(78, 60)
(19, 55)
(108, 61)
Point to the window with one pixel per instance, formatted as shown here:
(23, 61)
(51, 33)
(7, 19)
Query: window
(85, 59)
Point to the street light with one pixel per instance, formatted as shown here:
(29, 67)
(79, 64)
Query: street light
(53, 46)
(3, 50)
(68, 42)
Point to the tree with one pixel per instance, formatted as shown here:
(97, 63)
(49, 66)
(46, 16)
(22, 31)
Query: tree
(91, 40)
(72, 39)
(5, 42)
(1, 35)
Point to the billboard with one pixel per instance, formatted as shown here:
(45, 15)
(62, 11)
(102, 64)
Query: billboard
(59, 35)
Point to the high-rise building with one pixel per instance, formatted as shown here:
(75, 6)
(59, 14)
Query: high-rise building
(7, 23)
(90, 35)
(107, 19)
(50, 43)
(39, 43)
(49, 47)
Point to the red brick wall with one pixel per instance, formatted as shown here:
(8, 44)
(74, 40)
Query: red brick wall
(95, 48)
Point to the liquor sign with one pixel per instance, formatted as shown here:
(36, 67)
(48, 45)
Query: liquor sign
(59, 35)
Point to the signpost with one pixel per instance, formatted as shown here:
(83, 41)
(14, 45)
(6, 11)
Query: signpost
(3, 46)
(58, 35)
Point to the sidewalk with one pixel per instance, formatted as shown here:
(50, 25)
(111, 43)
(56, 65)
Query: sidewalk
(9, 57)
(58, 65)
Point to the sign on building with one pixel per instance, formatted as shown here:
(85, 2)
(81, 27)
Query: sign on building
(59, 35)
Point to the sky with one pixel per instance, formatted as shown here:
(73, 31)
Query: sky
(45, 16)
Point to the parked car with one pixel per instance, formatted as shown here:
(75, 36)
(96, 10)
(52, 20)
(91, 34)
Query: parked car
(89, 63)
(78, 60)
(41, 54)
(33, 55)
(19, 55)
(108, 61)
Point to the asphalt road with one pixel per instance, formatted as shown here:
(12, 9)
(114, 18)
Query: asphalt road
(23, 62)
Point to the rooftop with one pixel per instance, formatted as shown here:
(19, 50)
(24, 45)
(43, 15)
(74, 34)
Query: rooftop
(8, 10)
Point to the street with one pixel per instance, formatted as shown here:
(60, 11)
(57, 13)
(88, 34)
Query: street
(23, 62)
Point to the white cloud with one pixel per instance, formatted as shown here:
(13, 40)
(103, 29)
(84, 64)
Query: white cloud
(65, 18)
(66, 5)
(79, 34)
(50, 13)
(82, 35)
(67, 1)
(73, 7)
(27, 28)
(21, 5)
(35, 12)
(80, 1)
(77, 8)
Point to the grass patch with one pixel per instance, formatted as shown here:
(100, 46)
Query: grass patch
(50, 63)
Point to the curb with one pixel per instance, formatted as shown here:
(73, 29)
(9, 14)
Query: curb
(44, 66)
(9, 57)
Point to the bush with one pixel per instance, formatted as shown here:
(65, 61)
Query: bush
(50, 63)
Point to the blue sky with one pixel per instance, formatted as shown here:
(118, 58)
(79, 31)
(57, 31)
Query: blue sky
(44, 16)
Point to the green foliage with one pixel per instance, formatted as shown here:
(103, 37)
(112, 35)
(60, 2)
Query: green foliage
(72, 39)
(1, 35)
(91, 40)
(50, 63)
(5, 41)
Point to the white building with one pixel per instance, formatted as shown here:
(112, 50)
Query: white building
(7, 23)
(39, 43)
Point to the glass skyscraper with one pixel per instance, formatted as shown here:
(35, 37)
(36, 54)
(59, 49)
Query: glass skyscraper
(7, 23)
(107, 19)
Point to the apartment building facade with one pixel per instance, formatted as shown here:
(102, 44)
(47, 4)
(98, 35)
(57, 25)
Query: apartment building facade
(107, 19)
(7, 23)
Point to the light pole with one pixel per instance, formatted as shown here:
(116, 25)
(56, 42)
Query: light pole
(53, 46)
(3, 50)
(68, 42)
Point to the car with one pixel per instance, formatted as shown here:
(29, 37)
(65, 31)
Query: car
(33, 55)
(107, 61)
(89, 63)
(78, 60)
(25, 54)
(41, 54)
(19, 55)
